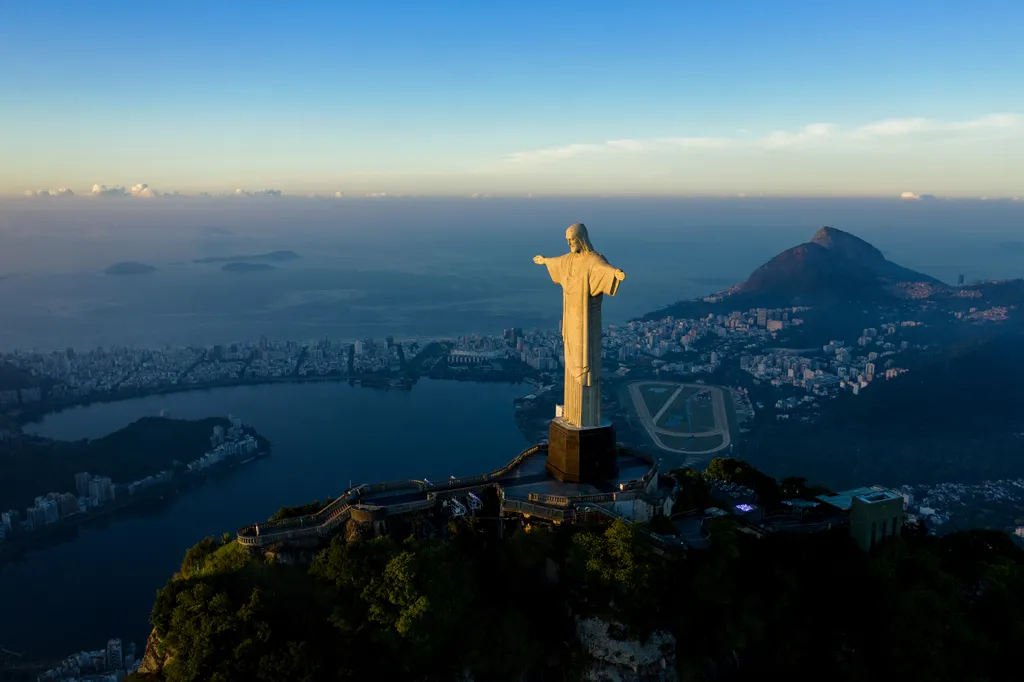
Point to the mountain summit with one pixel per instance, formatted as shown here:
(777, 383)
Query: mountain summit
(833, 265)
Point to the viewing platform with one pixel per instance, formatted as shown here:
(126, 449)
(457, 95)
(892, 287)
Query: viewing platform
(524, 488)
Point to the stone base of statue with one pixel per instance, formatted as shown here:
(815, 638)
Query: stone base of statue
(581, 454)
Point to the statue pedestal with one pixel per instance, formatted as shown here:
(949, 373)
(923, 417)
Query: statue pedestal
(581, 454)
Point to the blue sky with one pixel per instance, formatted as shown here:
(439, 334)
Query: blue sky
(790, 98)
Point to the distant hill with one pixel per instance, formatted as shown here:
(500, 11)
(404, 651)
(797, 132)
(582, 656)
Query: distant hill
(129, 268)
(246, 267)
(272, 257)
(833, 266)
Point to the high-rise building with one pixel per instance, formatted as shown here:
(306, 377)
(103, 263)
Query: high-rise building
(36, 516)
(51, 511)
(10, 520)
(82, 483)
(115, 657)
(762, 317)
(68, 505)
(869, 370)
(99, 489)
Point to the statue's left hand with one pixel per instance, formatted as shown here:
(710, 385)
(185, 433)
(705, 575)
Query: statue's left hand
(620, 275)
(539, 260)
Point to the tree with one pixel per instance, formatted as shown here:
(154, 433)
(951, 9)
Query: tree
(614, 572)
(693, 489)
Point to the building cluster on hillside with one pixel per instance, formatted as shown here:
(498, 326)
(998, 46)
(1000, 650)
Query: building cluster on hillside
(647, 341)
(838, 368)
(96, 492)
(226, 445)
(948, 507)
(996, 314)
(111, 664)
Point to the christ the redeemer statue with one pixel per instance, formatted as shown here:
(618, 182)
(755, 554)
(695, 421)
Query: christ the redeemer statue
(586, 277)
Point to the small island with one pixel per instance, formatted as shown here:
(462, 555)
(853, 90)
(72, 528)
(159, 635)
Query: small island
(271, 257)
(129, 268)
(246, 267)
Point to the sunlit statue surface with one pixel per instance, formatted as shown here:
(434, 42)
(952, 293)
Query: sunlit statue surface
(586, 277)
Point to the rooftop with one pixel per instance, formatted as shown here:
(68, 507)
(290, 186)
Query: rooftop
(869, 494)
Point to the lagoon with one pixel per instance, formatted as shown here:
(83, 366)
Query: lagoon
(102, 583)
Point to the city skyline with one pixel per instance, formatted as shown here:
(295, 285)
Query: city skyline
(564, 100)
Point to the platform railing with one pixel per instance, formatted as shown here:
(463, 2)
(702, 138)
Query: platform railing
(323, 522)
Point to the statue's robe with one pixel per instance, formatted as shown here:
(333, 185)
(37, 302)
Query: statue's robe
(585, 278)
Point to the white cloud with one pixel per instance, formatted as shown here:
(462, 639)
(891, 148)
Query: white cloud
(556, 153)
(339, 195)
(783, 139)
(808, 136)
(258, 193)
(910, 195)
(47, 193)
(104, 191)
(144, 191)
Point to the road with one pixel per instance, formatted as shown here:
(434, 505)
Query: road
(650, 423)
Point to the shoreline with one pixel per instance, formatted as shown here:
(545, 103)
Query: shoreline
(68, 527)
(35, 414)
(14, 549)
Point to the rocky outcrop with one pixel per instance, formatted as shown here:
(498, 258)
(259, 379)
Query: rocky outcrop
(626, 660)
(155, 657)
(290, 556)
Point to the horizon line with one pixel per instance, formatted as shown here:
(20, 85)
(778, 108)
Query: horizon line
(278, 195)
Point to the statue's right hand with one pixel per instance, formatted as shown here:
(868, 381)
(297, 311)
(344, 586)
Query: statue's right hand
(539, 260)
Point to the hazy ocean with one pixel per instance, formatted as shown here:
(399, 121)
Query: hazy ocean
(423, 267)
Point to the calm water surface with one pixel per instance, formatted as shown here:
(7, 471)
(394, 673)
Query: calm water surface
(101, 584)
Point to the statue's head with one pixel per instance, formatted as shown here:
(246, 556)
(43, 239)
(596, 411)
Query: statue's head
(579, 241)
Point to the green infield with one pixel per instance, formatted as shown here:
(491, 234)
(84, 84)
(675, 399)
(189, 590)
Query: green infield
(656, 396)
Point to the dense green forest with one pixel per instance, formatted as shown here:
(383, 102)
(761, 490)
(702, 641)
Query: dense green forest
(787, 606)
